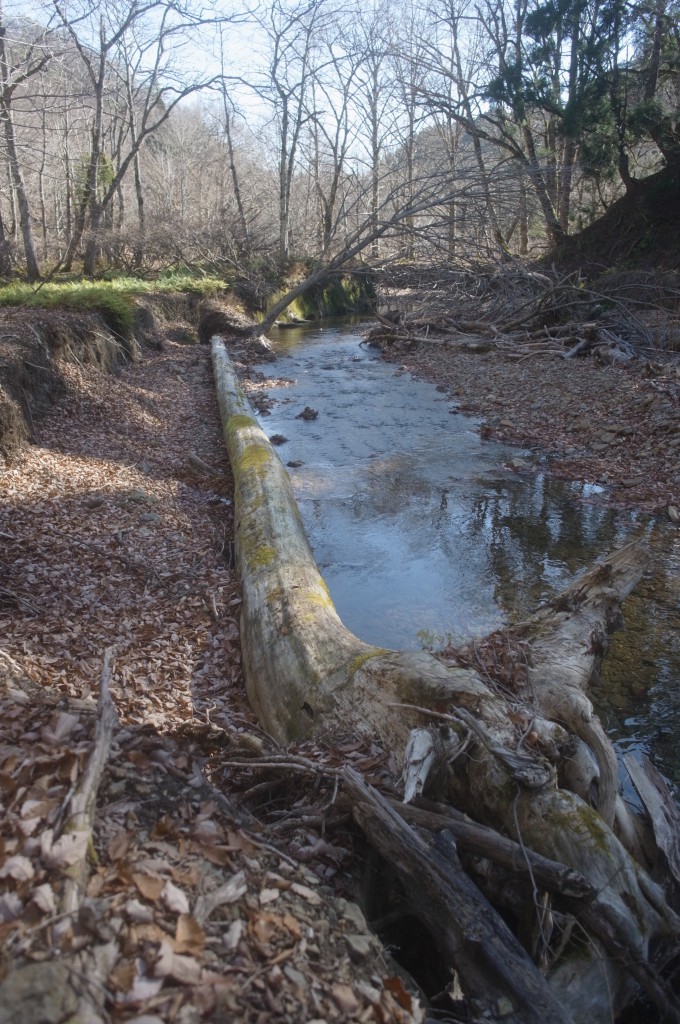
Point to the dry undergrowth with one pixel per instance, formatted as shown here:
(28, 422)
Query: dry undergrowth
(113, 536)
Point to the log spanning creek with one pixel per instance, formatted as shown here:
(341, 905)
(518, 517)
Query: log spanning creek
(426, 533)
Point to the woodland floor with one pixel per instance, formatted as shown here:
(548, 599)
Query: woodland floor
(112, 538)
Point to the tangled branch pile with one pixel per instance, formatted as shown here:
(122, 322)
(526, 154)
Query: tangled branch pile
(533, 313)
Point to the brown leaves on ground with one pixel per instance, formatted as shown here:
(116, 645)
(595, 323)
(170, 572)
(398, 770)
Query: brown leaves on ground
(112, 536)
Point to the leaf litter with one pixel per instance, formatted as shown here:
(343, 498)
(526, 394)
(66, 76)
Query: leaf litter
(114, 537)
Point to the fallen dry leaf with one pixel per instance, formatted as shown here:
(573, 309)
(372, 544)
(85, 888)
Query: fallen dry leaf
(189, 936)
(43, 897)
(227, 893)
(396, 986)
(150, 887)
(10, 906)
(345, 998)
(122, 977)
(175, 899)
(138, 912)
(119, 846)
(307, 894)
(142, 989)
(234, 933)
(17, 867)
(69, 848)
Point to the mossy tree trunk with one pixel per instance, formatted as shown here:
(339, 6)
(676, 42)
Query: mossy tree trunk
(507, 763)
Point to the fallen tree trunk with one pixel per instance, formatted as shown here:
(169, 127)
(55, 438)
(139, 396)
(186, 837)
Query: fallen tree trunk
(307, 674)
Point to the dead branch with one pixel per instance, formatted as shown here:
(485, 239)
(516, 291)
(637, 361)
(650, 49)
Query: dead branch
(486, 842)
(200, 466)
(517, 308)
(661, 808)
(495, 972)
(73, 987)
(80, 822)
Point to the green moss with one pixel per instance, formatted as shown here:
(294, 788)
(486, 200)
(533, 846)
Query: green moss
(346, 294)
(261, 556)
(255, 456)
(297, 310)
(333, 297)
(322, 600)
(360, 660)
(240, 422)
(584, 820)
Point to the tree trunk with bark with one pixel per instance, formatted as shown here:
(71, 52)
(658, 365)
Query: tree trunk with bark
(7, 88)
(529, 766)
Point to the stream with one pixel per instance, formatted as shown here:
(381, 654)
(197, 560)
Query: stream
(426, 533)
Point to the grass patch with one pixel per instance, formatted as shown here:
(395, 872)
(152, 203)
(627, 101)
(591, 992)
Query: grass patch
(113, 299)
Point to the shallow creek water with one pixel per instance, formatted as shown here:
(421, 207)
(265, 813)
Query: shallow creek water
(424, 532)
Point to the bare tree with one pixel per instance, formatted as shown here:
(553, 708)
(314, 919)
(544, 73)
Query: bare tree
(375, 98)
(332, 131)
(144, 37)
(433, 194)
(408, 55)
(15, 70)
(291, 31)
(470, 47)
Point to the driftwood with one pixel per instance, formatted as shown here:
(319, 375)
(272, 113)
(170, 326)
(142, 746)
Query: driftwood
(80, 822)
(307, 674)
(663, 812)
(199, 466)
(73, 987)
(486, 842)
(496, 973)
(527, 315)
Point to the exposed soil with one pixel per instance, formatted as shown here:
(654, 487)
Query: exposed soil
(639, 230)
(115, 534)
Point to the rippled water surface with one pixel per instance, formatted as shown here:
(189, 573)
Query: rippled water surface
(423, 531)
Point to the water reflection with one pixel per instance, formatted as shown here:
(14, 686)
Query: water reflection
(424, 531)
(541, 531)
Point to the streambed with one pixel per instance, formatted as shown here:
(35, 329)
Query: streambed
(424, 532)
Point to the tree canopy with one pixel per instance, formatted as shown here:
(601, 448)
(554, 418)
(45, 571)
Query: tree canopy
(144, 135)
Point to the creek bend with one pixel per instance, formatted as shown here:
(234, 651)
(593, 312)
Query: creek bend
(424, 532)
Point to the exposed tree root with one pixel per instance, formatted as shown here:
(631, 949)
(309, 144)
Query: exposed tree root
(307, 674)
